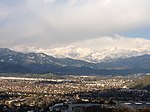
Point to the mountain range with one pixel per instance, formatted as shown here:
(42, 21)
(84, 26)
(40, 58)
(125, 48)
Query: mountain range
(18, 62)
(91, 55)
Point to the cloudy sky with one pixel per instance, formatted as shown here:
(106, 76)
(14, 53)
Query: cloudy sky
(89, 23)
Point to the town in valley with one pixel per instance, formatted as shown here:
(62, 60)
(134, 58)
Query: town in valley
(70, 93)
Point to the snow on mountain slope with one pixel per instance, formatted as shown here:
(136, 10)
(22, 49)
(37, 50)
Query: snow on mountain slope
(90, 55)
(95, 50)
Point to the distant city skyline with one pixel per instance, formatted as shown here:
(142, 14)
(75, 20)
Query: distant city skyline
(85, 23)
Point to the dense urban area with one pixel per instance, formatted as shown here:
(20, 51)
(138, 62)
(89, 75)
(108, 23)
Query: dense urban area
(55, 93)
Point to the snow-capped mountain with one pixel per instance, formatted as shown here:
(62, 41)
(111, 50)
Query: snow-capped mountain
(18, 62)
(90, 55)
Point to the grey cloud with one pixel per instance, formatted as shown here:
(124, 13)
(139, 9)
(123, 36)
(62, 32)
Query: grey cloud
(51, 22)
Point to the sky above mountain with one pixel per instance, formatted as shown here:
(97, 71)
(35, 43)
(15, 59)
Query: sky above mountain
(87, 23)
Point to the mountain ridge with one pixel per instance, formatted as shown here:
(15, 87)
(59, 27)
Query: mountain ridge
(13, 62)
(89, 54)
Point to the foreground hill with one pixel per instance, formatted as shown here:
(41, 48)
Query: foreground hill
(16, 62)
(142, 83)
